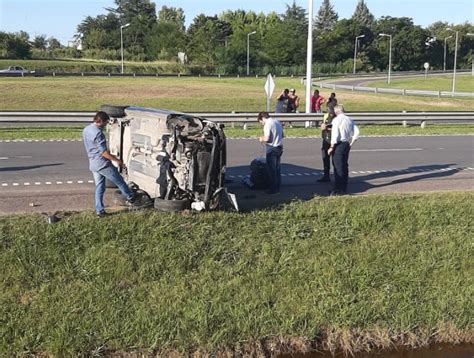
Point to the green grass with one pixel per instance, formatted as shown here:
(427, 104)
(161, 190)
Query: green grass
(188, 94)
(44, 133)
(390, 269)
(464, 83)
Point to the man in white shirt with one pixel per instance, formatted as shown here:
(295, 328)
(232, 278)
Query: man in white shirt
(344, 134)
(273, 140)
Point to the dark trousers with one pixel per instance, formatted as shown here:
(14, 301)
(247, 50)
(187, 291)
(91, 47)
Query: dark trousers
(340, 162)
(274, 168)
(326, 158)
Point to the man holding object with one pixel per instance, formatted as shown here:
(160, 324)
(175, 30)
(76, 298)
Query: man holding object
(273, 140)
(100, 162)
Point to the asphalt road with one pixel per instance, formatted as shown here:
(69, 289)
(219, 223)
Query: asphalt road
(53, 175)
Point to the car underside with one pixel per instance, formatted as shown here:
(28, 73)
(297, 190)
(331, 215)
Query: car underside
(177, 159)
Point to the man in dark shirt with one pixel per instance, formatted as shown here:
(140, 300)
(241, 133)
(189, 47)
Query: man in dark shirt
(100, 162)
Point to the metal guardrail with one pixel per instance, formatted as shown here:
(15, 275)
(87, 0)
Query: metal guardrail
(243, 118)
(402, 92)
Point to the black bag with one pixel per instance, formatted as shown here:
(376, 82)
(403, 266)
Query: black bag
(258, 174)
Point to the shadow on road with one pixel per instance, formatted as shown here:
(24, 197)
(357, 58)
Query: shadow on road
(300, 183)
(28, 167)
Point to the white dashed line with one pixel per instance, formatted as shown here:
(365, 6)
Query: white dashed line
(296, 174)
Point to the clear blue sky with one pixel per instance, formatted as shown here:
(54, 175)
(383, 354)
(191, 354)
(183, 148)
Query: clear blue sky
(59, 18)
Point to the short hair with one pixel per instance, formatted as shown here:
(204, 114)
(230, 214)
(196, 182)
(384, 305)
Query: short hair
(101, 116)
(262, 115)
(339, 108)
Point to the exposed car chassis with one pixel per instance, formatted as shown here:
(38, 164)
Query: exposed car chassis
(177, 159)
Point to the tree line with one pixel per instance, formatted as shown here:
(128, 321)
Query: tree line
(218, 44)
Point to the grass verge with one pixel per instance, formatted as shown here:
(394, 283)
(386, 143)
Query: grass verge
(189, 94)
(74, 133)
(351, 273)
(464, 83)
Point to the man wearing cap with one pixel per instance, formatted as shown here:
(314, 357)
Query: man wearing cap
(273, 140)
(344, 134)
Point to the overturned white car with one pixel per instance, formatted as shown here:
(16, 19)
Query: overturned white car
(177, 159)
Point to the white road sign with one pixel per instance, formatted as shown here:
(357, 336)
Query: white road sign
(269, 85)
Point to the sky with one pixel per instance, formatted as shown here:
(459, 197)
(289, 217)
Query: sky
(59, 18)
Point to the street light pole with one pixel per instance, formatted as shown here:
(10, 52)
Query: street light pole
(309, 60)
(355, 52)
(472, 56)
(444, 62)
(248, 51)
(455, 57)
(389, 56)
(121, 41)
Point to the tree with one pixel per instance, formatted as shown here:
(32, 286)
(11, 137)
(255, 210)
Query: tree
(15, 45)
(326, 18)
(53, 43)
(172, 15)
(296, 22)
(39, 42)
(362, 15)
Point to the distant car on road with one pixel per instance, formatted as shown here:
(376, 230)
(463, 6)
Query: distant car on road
(15, 70)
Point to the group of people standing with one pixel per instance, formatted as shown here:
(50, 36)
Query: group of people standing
(338, 131)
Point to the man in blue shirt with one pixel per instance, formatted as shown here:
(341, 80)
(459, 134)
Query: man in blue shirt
(100, 162)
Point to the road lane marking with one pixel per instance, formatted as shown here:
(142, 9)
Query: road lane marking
(291, 175)
(388, 150)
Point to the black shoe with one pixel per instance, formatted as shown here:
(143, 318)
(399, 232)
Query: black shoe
(324, 179)
(272, 192)
(101, 215)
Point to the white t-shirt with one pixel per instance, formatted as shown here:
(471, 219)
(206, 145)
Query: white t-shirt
(273, 130)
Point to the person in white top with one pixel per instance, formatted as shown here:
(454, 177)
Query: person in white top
(273, 140)
(344, 133)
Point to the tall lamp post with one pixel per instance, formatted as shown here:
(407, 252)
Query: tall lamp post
(309, 60)
(248, 50)
(455, 57)
(355, 52)
(121, 41)
(472, 55)
(389, 56)
(444, 62)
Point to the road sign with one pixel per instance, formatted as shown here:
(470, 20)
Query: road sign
(426, 65)
(269, 88)
(269, 85)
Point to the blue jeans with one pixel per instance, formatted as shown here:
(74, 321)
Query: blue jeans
(110, 172)
(274, 168)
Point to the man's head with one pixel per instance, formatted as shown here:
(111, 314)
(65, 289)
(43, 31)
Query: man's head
(338, 109)
(262, 116)
(292, 91)
(316, 92)
(333, 95)
(101, 119)
(286, 91)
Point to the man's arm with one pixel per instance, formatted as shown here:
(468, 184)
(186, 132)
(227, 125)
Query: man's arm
(112, 158)
(355, 136)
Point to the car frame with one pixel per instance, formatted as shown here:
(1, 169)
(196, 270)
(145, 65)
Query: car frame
(178, 159)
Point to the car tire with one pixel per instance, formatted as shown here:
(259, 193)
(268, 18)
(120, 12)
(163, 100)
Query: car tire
(114, 111)
(172, 205)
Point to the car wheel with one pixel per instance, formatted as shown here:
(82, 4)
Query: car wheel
(114, 111)
(172, 205)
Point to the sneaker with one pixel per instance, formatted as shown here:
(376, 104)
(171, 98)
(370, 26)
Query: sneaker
(324, 179)
(101, 215)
